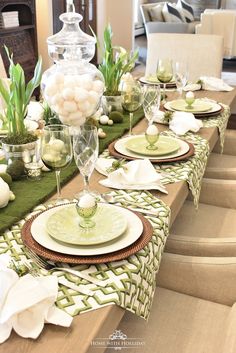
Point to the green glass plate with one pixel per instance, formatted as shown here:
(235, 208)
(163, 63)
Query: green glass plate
(197, 107)
(166, 145)
(63, 226)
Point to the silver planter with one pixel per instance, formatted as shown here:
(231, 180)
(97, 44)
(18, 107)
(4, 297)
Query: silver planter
(27, 153)
(111, 103)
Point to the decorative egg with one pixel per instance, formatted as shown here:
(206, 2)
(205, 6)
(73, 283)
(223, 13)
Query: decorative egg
(70, 106)
(87, 201)
(80, 94)
(4, 193)
(68, 94)
(152, 130)
(110, 122)
(190, 94)
(98, 86)
(104, 119)
(56, 144)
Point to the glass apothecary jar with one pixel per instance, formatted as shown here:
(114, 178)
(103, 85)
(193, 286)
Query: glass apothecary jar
(72, 87)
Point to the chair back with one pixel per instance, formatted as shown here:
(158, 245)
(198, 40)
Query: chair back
(203, 54)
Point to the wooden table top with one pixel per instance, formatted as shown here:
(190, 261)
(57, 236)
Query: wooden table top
(102, 322)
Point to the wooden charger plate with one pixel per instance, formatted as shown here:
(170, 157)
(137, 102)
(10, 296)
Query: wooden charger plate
(117, 154)
(139, 244)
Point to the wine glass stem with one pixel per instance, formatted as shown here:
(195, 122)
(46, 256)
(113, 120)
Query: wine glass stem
(164, 92)
(58, 184)
(86, 182)
(130, 123)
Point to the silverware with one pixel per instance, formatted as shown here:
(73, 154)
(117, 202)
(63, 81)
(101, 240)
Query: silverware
(47, 266)
(79, 288)
(134, 206)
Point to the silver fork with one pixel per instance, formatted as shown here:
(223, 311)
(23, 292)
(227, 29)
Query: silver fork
(43, 264)
(79, 288)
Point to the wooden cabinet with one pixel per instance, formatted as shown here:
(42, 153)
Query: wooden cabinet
(22, 40)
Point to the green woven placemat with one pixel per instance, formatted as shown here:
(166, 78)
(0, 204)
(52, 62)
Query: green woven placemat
(31, 193)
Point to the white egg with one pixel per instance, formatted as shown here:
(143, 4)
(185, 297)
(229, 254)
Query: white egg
(57, 99)
(68, 94)
(56, 144)
(87, 201)
(104, 119)
(152, 130)
(70, 106)
(98, 86)
(190, 94)
(86, 82)
(62, 111)
(102, 134)
(58, 77)
(110, 122)
(70, 81)
(75, 116)
(93, 97)
(100, 130)
(80, 94)
(51, 89)
(84, 106)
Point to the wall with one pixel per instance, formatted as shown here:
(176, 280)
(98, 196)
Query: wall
(120, 14)
(44, 17)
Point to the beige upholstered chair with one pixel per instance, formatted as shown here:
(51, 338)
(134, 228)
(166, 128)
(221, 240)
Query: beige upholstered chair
(202, 53)
(209, 231)
(220, 22)
(223, 166)
(202, 320)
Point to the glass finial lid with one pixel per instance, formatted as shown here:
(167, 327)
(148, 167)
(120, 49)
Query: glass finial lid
(71, 43)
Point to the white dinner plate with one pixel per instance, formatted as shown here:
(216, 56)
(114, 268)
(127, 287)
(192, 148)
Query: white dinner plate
(132, 233)
(120, 147)
(215, 107)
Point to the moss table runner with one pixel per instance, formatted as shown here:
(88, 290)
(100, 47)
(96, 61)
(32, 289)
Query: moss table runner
(31, 193)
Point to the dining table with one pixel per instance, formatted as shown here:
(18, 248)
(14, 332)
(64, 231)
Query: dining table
(100, 323)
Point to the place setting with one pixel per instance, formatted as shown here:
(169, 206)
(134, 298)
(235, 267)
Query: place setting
(156, 147)
(200, 107)
(79, 231)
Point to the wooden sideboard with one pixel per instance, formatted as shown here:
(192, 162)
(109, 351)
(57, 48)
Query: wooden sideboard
(22, 40)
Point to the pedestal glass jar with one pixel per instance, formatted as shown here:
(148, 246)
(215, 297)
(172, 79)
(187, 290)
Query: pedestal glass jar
(72, 87)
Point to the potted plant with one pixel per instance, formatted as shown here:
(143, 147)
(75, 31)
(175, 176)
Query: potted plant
(18, 142)
(116, 62)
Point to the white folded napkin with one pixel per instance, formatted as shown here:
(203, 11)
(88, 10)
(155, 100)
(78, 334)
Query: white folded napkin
(214, 84)
(138, 175)
(182, 122)
(192, 87)
(159, 116)
(27, 302)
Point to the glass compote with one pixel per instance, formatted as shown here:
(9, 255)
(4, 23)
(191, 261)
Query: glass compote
(164, 73)
(131, 94)
(56, 150)
(181, 76)
(85, 147)
(151, 102)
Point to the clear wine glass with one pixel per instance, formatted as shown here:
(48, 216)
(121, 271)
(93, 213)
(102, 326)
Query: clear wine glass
(56, 150)
(181, 76)
(151, 102)
(164, 73)
(85, 148)
(131, 94)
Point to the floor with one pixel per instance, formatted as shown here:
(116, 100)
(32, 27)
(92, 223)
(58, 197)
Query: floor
(228, 72)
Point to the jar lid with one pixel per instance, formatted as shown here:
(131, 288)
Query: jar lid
(71, 43)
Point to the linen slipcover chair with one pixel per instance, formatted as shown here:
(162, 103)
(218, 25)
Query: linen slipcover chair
(211, 230)
(223, 166)
(193, 309)
(203, 54)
